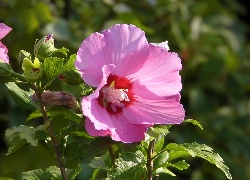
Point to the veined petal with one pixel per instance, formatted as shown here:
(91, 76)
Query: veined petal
(90, 107)
(164, 111)
(123, 45)
(4, 30)
(159, 75)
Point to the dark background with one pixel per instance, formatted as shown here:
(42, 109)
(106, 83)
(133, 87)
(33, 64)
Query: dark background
(212, 39)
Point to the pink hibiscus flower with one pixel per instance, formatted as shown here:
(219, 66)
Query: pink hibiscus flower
(137, 83)
(4, 30)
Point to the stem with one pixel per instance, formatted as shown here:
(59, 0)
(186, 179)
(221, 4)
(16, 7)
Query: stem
(149, 163)
(55, 144)
(112, 156)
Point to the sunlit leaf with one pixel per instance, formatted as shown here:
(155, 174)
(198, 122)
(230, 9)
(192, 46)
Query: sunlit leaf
(21, 97)
(194, 122)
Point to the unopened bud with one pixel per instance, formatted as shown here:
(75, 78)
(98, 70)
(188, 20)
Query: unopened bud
(71, 78)
(57, 98)
(32, 71)
(44, 47)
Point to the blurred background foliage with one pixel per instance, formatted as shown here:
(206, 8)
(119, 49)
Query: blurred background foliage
(212, 39)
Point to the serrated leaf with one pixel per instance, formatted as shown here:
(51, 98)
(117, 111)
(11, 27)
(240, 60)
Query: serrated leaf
(128, 164)
(205, 152)
(21, 97)
(197, 150)
(165, 171)
(194, 122)
(56, 111)
(52, 67)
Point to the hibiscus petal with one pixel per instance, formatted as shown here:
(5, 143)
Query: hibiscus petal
(4, 30)
(92, 109)
(164, 111)
(159, 76)
(127, 132)
(92, 131)
(4, 53)
(123, 45)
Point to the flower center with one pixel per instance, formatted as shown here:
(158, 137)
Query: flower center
(114, 97)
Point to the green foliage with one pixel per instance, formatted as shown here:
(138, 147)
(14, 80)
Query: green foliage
(210, 39)
(22, 98)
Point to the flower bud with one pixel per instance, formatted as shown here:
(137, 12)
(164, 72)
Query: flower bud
(44, 47)
(31, 71)
(71, 78)
(57, 98)
(23, 54)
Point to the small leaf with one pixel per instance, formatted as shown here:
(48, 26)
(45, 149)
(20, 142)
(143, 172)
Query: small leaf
(165, 171)
(69, 65)
(181, 165)
(156, 131)
(194, 122)
(52, 67)
(21, 97)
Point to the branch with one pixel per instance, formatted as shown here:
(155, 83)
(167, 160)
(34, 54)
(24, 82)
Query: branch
(55, 144)
(149, 163)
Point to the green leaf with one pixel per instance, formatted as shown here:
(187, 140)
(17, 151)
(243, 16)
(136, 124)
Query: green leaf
(56, 111)
(72, 173)
(181, 165)
(197, 150)
(165, 171)
(21, 97)
(97, 147)
(30, 175)
(205, 152)
(52, 67)
(51, 172)
(194, 122)
(62, 50)
(73, 152)
(160, 159)
(69, 65)
(128, 164)
(156, 131)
